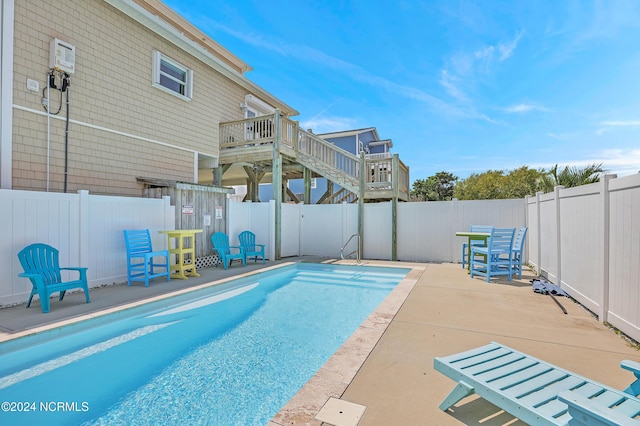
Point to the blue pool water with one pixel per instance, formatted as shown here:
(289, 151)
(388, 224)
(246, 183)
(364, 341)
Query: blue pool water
(231, 354)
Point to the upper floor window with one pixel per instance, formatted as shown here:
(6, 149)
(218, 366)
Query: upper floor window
(171, 76)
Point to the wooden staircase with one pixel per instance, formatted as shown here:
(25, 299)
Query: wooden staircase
(257, 138)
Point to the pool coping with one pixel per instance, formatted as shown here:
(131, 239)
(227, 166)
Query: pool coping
(333, 378)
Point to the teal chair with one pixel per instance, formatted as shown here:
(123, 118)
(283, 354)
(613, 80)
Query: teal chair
(140, 258)
(250, 248)
(516, 252)
(226, 253)
(494, 259)
(40, 264)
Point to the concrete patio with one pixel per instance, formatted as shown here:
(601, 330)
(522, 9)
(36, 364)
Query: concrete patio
(387, 366)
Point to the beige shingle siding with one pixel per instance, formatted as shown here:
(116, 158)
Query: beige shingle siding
(111, 90)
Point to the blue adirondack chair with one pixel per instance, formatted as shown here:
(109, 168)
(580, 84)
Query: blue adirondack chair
(140, 255)
(495, 259)
(40, 264)
(465, 246)
(518, 244)
(250, 248)
(227, 253)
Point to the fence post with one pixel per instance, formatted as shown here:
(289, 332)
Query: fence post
(525, 248)
(455, 226)
(272, 230)
(395, 182)
(606, 234)
(539, 236)
(556, 196)
(83, 227)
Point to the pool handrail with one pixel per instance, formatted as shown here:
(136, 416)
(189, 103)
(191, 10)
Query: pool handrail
(356, 251)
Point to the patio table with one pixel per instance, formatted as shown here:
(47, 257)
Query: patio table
(473, 236)
(183, 248)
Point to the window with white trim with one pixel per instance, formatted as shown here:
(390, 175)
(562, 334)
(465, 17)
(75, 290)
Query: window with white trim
(172, 76)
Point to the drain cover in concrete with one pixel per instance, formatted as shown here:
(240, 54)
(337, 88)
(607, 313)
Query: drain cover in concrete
(340, 413)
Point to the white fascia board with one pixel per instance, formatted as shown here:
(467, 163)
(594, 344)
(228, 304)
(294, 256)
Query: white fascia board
(163, 29)
(348, 133)
(382, 142)
(257, 103)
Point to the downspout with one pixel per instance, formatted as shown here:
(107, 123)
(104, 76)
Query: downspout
(6, 92)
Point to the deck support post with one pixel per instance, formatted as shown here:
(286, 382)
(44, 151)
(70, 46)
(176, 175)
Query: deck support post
(306, 174)
(276, 182)
(254, 176)
(328, 193)
(218, 172)
(395, 179)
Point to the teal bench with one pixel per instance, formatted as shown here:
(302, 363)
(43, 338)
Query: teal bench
(535, 391)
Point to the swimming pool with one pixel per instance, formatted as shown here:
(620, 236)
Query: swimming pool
(229, 354)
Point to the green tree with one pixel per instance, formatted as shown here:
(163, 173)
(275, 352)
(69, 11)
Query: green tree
(570, 176)
(498, 184)
(438, 187)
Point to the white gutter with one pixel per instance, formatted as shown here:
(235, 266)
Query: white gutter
(6, 92)
(163, 29)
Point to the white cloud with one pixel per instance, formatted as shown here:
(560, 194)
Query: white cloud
(486, 53)
(556, 136)
(609, 125)
(451, 84)
(328, 124)
(622, 162)
(632, 123)
(507, 49)
(524, 108)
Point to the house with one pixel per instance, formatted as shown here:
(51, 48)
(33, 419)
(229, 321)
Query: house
(137, 91)
(323, 190)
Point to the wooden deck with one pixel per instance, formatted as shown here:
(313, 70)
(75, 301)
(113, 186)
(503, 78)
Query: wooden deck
(256, 142)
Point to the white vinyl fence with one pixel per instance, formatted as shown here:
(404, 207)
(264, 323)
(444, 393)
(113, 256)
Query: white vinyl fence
(86, 229)
(585, 238)
(588, 239)
(425, 231)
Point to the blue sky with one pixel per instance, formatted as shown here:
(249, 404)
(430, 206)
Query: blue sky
(459, 86)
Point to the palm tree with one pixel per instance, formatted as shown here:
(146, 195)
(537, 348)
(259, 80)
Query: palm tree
(570, 176)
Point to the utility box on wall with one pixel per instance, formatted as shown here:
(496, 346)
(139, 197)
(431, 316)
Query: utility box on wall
(194, 204)
(62, 56)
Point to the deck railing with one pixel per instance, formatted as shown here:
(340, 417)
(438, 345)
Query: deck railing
(378, 155)
(250, 131)
(323, 157)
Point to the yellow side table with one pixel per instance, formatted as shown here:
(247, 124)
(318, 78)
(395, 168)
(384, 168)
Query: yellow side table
(183, 247)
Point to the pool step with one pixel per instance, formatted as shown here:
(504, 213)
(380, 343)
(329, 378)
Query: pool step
(357, 276)
(350, 281)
